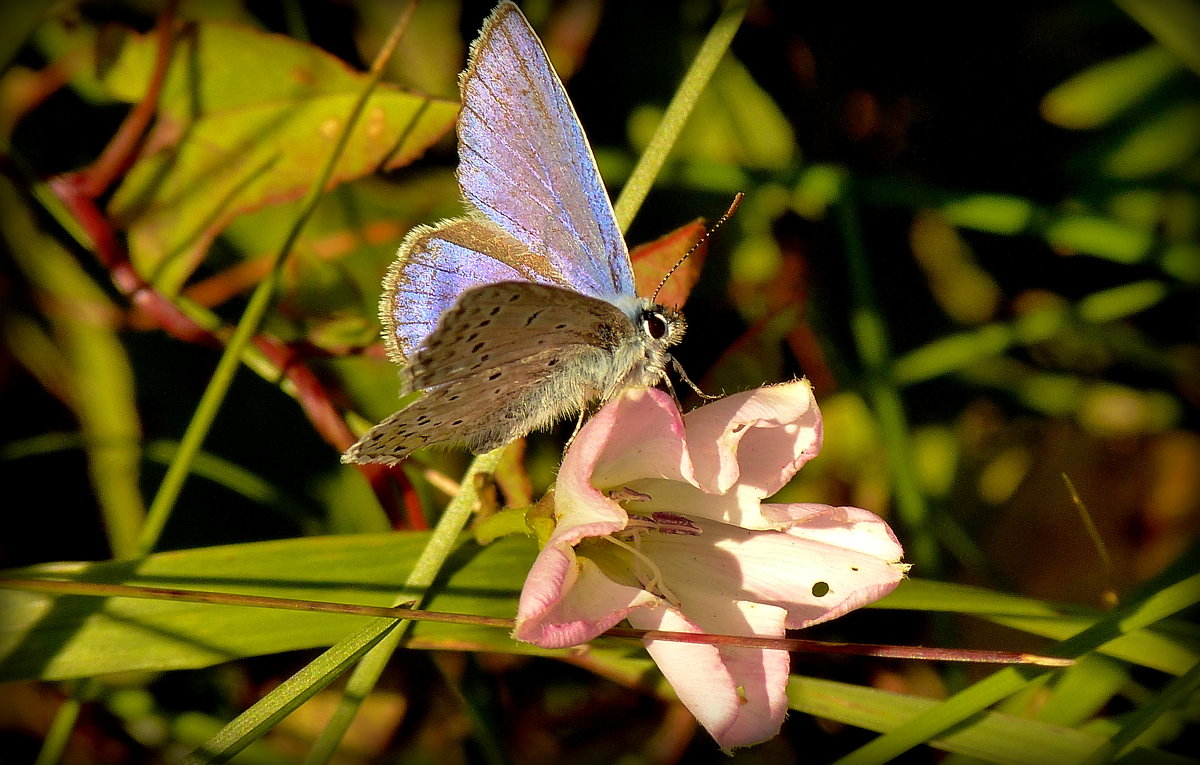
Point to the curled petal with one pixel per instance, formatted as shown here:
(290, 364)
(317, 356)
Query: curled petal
(756, 440)
(581, 510)
(850, 528)
(647, 443)
(568, 600)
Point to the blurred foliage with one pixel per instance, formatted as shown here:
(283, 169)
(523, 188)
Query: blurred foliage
(977, 231)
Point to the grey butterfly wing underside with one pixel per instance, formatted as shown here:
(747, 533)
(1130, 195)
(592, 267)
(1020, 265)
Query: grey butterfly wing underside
(507, 359)
(437, 264)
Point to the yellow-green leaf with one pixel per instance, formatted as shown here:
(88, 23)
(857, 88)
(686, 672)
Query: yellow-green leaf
(244, 120)
(1095, 96)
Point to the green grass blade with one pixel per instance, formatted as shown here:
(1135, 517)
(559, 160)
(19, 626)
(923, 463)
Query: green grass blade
(993, 737)
(289, 695)
(978, 697)
(428, 566)
(1174, 695)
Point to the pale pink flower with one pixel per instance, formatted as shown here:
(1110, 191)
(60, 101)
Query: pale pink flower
(660, 520)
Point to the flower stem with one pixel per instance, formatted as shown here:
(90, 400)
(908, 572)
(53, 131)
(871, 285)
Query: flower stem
(650, 163)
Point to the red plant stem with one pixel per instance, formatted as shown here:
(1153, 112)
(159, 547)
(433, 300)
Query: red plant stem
(112, 255)
(99, 589)
(121, 152)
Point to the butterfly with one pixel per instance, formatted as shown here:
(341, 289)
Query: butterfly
(524, 312)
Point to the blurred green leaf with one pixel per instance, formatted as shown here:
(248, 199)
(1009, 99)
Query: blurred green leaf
(963, 290)
(755, 259)
(100, 389)
(245, 118)
(16, 22)
(1081, 691)
(1168, 141)
(818, 188)
(960, 350)
(734, 122)
(1182, 261)
(993, 213)
(1099, 407)
(935, 459)
(1095, 96)
(1121, 301)
(1099, 236)
(1174, 23)
(433, 52)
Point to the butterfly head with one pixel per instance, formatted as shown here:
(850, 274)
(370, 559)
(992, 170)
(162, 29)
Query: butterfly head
(663, 327)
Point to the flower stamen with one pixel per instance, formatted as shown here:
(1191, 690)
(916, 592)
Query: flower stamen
(663, 523)
(654, 581)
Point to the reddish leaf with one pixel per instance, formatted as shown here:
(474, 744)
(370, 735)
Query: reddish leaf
(654, 260)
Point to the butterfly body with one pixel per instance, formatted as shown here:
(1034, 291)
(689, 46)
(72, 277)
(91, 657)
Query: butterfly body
(513, 357)
(524, 312)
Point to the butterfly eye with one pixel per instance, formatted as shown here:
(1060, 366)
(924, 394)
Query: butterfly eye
(654, 324)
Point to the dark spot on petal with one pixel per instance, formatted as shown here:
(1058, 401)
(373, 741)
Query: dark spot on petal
(494, 376)
(551, 362)
(457, 422)
(484, 323)
(485, 357)
(560, 326)
(514, 298)
(532, 317)
(476, 347)
(820, 589)
(494, 311)
(471, 337)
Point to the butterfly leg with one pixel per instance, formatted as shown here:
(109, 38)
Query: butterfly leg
(684, 376)
(671, 390)
(578, 426)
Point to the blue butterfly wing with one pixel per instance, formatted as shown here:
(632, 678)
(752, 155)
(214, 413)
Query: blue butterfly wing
(526, 165)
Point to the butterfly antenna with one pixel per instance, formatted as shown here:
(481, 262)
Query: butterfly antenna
(737, 201)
